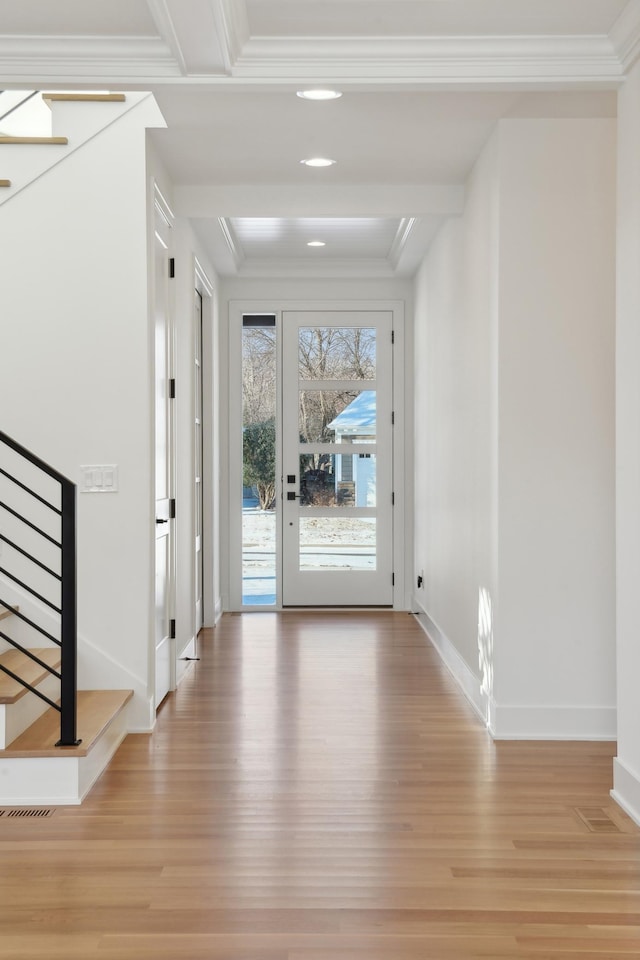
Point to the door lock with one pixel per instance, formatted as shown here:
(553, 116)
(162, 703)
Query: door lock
(292, 496)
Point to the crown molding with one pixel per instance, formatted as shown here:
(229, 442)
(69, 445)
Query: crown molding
(430, 61)
(203, 277)
(159, 10)
(576, 59)
(625, 35)
(232, 243)
(85, 59)
(405, 227)
(232, 26)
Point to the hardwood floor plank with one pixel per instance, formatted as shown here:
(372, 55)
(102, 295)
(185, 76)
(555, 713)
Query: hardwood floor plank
(318, 789)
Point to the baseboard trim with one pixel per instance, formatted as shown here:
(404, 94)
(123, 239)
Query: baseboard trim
(626, 789)
(552, 722)
(456, 665)
(144, 718)
(98, 670)
(217, 611)
(184, 661)
(507, 722)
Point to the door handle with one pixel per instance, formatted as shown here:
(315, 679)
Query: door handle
(292, 496)
(161, 521)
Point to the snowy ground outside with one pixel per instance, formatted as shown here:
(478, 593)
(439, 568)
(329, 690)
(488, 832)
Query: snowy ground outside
(332, 543)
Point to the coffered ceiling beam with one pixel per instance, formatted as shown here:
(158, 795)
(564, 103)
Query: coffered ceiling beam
(341, 200)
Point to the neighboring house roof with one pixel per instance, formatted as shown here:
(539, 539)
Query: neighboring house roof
(360, 413)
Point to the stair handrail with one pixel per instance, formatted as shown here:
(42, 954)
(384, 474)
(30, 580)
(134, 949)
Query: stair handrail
(68, 641)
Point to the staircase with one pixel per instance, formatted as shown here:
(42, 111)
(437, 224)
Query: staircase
(39, 130)
(74, 287)
(54, 740)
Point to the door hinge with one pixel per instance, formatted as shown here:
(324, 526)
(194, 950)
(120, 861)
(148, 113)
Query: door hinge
(393, 337)
(172, 508)
(172, 388)
(393, 418)
(172, 629)
(393, 579)
(393, 499)
(172, 267)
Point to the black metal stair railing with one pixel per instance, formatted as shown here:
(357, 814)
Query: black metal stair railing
(65, 606)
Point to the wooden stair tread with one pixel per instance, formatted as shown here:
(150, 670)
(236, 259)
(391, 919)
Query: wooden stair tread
(33, 673)
(91, 97)
(96, 710)
(5, 183)
(42, 140)
(7, 611)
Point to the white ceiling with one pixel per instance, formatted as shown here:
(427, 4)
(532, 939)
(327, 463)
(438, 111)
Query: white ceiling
(424, 83)
(373, 237)
(393, 18)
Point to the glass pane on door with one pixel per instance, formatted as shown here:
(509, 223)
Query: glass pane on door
(337, 543)
(337, 353)
(336, 416)
(338, 480)
(259, 460)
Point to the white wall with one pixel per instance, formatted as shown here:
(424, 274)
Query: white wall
(627, 764)
(514, 322)
(75, 385)
(455, 422)
(555, 637)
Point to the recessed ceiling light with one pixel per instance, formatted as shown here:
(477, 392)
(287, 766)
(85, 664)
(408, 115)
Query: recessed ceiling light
(319, 94)
(318, 162)
(316, 243)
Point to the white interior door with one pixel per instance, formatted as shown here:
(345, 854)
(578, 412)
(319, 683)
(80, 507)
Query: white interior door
(337, 461)
(199, 460)
(163, 459)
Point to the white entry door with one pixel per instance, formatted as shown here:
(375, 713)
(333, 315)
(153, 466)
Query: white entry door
(337, 460)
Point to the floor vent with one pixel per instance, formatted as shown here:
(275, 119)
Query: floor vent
(597, 820)
(25, 812)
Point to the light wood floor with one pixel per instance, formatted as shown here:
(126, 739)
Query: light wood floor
(318, 789)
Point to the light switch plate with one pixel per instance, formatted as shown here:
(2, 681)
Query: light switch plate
(99, 478)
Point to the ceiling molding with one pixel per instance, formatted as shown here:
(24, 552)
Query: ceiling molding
(85, 58)
(568, 60)
(232, 25)
(163, 206)
(405, 227)
(232, 244)
(159, 10)
(203, 277)
(625, 35)
(456, 59)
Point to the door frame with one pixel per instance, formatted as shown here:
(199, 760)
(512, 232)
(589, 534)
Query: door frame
(210, 520)
(401, 379)
(162, 231)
